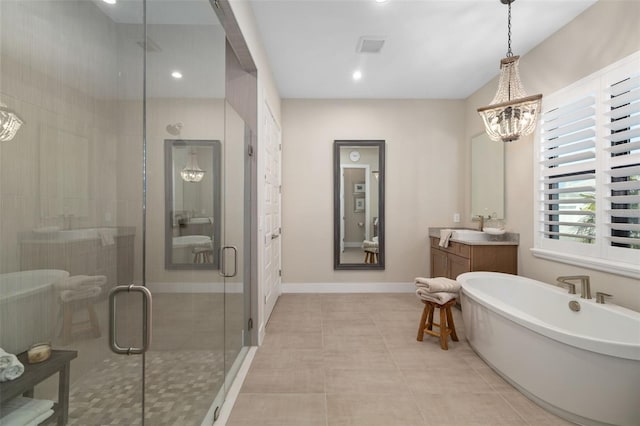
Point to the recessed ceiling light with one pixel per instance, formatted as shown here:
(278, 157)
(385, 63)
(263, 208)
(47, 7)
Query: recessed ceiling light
(381, 1)
(176, 74)
(114, 1)
(357, 75)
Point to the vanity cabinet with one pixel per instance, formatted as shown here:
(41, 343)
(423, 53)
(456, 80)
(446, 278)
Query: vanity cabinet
(459, 258)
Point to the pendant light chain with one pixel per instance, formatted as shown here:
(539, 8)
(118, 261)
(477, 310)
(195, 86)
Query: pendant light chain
(509, 52)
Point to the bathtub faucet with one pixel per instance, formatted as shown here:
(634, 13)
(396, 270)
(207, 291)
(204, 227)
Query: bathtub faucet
(585, 292)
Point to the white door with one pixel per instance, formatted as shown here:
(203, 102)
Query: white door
(272, 213)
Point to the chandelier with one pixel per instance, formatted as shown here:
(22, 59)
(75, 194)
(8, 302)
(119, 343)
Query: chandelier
(511, 113)
(10, 123)
(192, 172)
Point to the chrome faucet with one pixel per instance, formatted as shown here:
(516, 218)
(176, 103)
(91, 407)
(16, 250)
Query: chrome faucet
(585, 291)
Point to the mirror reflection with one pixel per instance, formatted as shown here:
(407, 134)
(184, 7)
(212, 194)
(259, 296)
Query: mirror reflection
(487, 177)
(359, 204)
(192, 194)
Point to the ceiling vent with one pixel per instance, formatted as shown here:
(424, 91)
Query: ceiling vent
(370, 44)
(151, 46)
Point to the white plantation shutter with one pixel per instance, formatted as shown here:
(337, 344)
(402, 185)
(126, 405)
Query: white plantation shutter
(588, 171)
(568, 162)
(622, 147)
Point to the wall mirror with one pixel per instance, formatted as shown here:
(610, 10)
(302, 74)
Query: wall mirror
(358, 204)
(487, 177)
(192, 204)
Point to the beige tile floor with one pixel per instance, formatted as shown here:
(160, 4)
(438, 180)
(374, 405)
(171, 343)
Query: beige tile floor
(353, 359)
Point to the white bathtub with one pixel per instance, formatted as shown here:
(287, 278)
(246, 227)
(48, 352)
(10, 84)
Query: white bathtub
(27, 308)
(183, 247)
(583, 366)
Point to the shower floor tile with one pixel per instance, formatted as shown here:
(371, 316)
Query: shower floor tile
(180, 387)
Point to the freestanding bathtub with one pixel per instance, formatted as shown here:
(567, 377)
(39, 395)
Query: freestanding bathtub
(583, 366)
(27, 308)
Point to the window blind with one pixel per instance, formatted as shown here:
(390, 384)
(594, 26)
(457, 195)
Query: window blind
(622, 145)
(568, 163)
(588, 171)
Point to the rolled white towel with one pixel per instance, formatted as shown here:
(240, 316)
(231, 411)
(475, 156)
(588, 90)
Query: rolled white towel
(25, 411)
(5, 359)
(12, 367)
(86, 293)
(445, 234)
(438, 284)
(81, 282)
(440, 298)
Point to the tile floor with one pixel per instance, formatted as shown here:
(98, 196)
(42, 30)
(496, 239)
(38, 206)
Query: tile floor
(353, 359)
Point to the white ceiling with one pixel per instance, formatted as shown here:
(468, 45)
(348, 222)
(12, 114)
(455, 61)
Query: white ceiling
(434, 48)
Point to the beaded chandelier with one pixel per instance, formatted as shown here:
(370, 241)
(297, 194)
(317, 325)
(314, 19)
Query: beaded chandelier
(511, 113)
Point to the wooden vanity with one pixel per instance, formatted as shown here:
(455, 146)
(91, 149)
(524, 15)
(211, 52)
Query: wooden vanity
(462, 256)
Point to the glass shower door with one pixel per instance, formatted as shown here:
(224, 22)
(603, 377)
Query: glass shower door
(185, 135)
(71, 191)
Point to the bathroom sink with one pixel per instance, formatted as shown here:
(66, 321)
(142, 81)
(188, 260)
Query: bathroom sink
(469, 235)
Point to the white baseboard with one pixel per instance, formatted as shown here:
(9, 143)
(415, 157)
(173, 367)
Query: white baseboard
(354, 245)
(385, 287)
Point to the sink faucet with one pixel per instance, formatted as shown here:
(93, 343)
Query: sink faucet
(481, 218)
(585, 291)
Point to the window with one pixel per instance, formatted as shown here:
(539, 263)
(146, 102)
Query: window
(588, 172)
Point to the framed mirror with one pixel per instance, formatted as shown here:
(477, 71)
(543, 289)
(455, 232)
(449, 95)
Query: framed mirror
(358, 204)
(192, 204)
(487, 177)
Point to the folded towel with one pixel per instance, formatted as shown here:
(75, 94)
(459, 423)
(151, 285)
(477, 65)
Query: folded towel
(440, 298)
(445, 234)
(12, 368)
(86, 293)
(369, 244)
(25, 411)
(107, 236)
(438, 284)
(81, 282)
(44, 416)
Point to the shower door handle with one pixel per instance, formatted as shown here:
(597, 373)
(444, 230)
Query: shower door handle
(146, 325)
(223, 258)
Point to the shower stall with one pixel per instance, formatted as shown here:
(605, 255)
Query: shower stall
(91, 94)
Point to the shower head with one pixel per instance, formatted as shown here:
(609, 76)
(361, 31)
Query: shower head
(174, 129)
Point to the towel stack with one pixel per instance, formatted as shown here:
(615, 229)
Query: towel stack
(10, 367)
(439, 290)
(80, 287)
(21, 411)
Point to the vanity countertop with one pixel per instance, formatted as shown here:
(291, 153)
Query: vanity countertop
(54, 235)
(507, 239)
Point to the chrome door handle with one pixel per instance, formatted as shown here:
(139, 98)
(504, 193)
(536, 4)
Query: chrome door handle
(146, 326)
(223, 271)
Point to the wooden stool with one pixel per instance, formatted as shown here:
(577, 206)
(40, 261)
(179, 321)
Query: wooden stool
(68, 325)
(370, 256)
(202, 255)
(446, 325)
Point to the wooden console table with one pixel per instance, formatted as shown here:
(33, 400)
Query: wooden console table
(59, 362)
